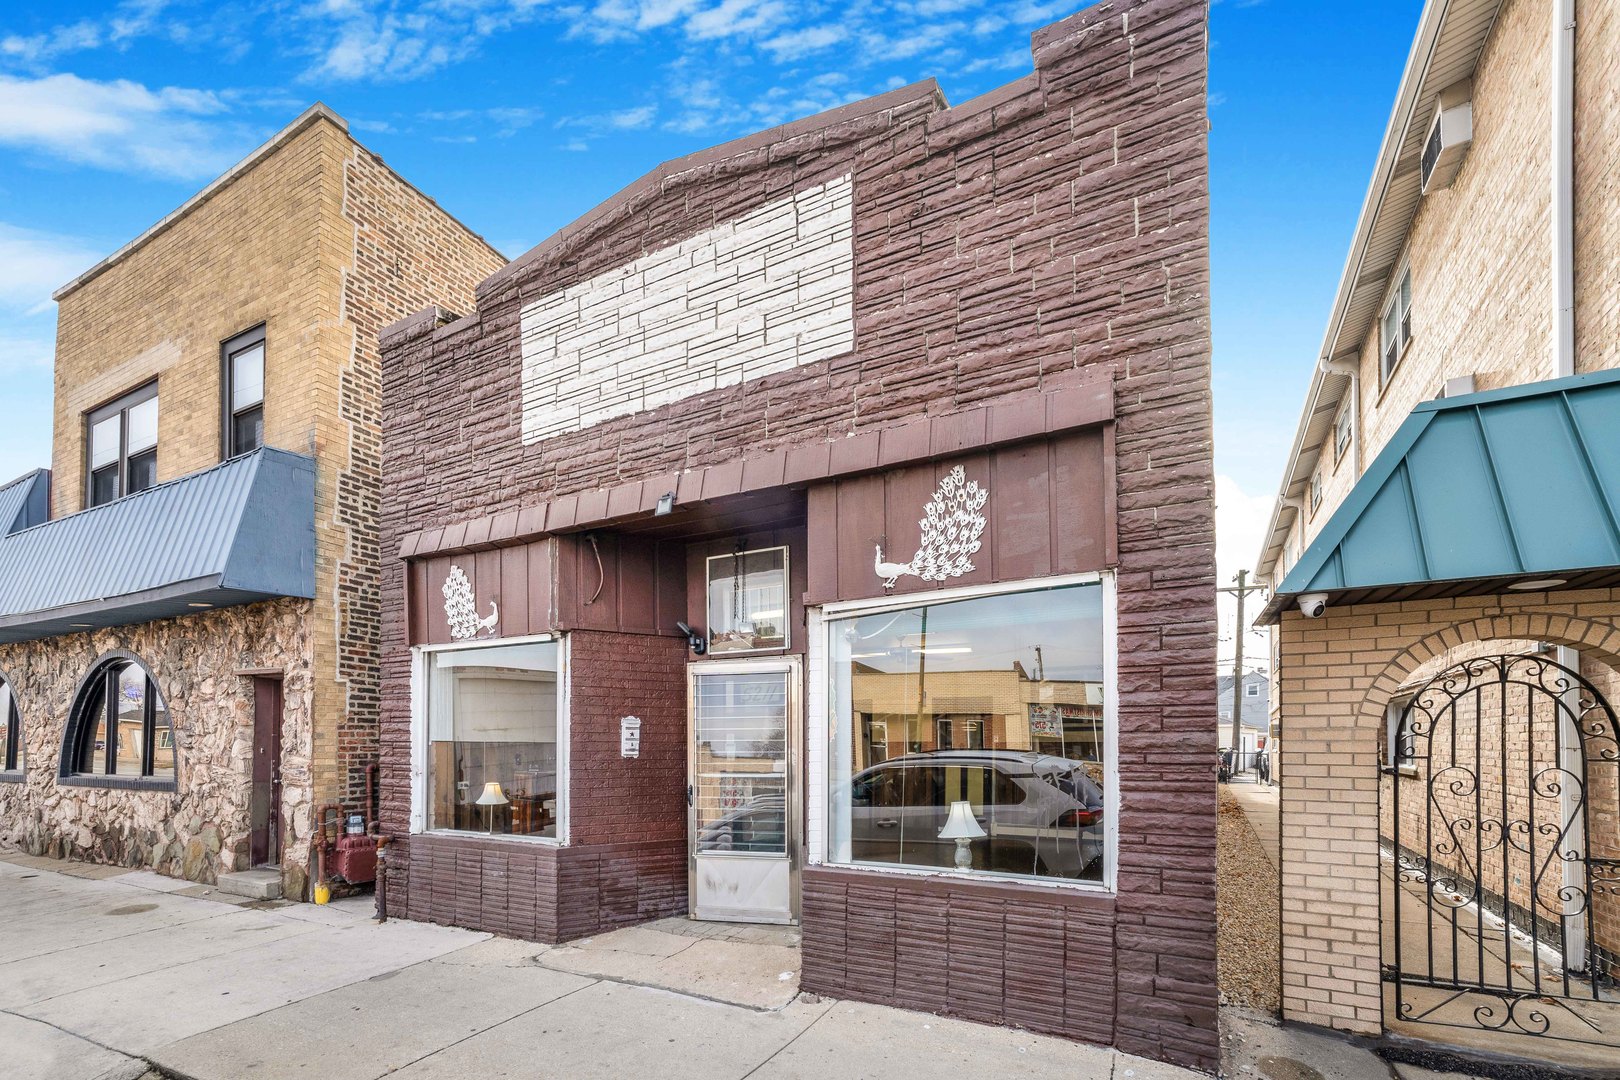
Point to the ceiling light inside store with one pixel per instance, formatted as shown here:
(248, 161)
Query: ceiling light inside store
(941, 650)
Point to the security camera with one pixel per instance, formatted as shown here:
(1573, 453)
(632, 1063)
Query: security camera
(694, 640)
(1312, 604)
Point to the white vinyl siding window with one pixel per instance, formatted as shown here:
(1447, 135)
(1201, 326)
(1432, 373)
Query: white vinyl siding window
(1343, 428)
(1395, 328)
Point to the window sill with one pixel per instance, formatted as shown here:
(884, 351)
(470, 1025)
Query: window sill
(973, 877)
(120, 783)
(471, 834)
(12, 776)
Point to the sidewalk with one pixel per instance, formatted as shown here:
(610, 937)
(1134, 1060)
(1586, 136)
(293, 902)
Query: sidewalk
(1261, 802)
(107, 973)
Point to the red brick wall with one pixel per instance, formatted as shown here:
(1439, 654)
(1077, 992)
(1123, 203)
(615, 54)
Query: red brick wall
(1043, 235)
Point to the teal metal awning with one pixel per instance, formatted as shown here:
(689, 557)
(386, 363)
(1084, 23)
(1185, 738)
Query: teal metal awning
(1474, 492)
(25, 501)
(234, 534)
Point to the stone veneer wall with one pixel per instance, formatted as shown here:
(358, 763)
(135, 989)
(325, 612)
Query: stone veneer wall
(201, 830)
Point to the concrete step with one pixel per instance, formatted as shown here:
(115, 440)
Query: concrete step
(263, 883)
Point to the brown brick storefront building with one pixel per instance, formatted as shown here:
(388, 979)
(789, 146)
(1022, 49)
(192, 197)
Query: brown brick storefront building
(820, 531)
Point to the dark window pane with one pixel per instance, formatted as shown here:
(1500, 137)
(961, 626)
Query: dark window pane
(247, 431)
(131, 712)
(104, 485)
(162, 739)
(9, 734)
(142, 471)
(93, 750)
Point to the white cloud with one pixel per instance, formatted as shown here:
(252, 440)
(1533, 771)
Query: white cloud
(33, 264)
(120, 125)
(129, 20)
(795, 44)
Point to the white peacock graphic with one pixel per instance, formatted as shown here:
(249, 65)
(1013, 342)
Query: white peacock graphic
(460, 609)
(951, 525)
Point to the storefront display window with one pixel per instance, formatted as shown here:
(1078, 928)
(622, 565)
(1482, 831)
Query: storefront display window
(748, 601)
(970, 735)
(493, 737)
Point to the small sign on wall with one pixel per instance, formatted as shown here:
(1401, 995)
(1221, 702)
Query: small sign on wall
(630, 737)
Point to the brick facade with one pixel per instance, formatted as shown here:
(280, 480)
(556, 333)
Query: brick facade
(314, 238)
(1047, 236)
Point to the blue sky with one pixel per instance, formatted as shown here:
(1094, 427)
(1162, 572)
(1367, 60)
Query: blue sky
(518, 115)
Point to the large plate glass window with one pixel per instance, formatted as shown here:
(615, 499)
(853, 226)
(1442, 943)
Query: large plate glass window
(123, 437)
(492, 739)
(243, 377)
(10, 729)
(978, 720)
(748, 607)
(120, 725)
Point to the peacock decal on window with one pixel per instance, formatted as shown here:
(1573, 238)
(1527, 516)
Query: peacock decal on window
(951, 525)
(460, 610)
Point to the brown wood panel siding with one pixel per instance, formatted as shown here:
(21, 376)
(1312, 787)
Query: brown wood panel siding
(1047, 512)
(642, 583)
(996, 952)
(517, 579)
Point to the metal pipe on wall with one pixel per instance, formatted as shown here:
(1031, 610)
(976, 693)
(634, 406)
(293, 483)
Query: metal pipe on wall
(1563, 187)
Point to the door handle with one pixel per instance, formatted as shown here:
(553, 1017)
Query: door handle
(887, 823)
(688, 794)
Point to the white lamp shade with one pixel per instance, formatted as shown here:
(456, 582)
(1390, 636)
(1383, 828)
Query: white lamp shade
(961, 824)
(492, 796)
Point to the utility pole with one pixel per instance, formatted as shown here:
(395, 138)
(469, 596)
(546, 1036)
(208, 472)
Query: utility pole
(1242, 590)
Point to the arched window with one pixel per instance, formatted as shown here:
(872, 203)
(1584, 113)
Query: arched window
(10, 729)
(120, 726)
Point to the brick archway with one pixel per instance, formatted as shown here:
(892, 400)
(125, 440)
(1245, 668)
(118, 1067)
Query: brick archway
(1336, 676)
(1599, 640)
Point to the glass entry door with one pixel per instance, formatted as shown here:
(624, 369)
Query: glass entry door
(743, 717)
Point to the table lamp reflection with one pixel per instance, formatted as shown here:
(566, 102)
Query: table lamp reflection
(492, 797)
(962, 827)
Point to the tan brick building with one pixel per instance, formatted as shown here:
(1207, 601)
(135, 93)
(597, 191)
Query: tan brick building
(1443, 560)
(240, 579)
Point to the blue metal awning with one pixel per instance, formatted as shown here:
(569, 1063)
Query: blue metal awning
(1482, 488)
(25, 501)
(237, 533)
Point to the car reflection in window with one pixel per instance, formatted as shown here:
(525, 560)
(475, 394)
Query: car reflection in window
(1042, 815)
(756, 827)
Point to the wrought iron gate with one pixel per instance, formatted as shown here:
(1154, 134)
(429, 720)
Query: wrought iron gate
(1501, 812)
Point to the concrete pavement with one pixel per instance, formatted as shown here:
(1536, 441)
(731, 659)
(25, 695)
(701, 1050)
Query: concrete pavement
(106, 975)
(1262, 804)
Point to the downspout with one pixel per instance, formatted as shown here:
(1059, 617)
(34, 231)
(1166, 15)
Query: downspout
(1563, 188)
(1352, 369)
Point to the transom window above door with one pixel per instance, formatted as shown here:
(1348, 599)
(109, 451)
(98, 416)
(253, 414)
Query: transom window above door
(122, 448)
(748, 601)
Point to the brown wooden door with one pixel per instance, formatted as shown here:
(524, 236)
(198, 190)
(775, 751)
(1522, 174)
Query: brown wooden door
(264, 842)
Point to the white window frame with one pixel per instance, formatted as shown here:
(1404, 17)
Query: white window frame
(1388, 362)
(1392, 723)
(1251, 689)
(819, 745)
(420, 655)
(787, 604)
(1316, 491)
(1343, 429)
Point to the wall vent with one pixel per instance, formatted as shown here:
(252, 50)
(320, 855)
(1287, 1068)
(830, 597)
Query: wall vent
(1449, 136)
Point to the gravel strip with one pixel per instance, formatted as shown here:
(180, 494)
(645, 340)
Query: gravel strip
(1249, 968)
